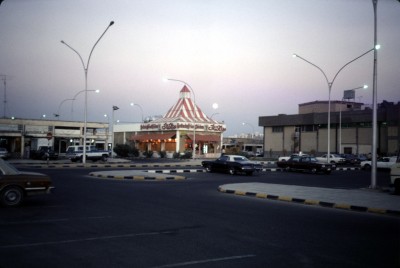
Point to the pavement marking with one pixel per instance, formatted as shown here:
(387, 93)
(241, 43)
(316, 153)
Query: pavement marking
(89, 239)
(206, 261)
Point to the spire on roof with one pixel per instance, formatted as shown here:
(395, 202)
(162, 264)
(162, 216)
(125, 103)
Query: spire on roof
(185, 93)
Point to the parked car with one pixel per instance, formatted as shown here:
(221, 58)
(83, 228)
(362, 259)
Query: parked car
(350, 159)
(333, 159)
(395, 176)
(16, 185)
(43, 153)
(286, 158)
(306, 163)
(381, 163)
(4, 154)
(232, 164)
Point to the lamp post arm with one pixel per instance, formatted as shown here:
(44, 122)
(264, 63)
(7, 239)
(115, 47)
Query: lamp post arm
(59, 106)
(365, 53)
(91, 51)
(183, 82)
(79, 55)
(141, 109)
(316, 66)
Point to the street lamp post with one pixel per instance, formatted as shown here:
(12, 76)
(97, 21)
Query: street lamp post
(374, 102)
(114, 108)
(86, 69)
(340, 112)
(244, 123)
(194, 113)
(141, 109)
(330, 84)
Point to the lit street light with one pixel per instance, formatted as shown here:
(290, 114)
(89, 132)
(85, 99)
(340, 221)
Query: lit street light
(330, 84)
(86, 69)
(347, 94)
(141, 109)
(244, 123)
(194, 113)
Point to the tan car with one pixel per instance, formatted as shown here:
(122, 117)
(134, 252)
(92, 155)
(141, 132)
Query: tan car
(15, 185)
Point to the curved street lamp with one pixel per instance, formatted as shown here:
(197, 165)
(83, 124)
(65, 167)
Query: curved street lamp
(86, 69)
(194, 111)
(59, 107)
(244, 123)
(141, 109)
(330, 84)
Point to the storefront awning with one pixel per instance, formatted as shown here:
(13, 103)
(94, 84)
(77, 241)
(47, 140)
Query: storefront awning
(207, 138)
(155, 136)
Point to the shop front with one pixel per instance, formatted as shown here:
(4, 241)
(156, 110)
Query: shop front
(183, 127)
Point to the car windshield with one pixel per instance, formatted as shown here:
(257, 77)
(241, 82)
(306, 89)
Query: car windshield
(7, 169)
(240, 158)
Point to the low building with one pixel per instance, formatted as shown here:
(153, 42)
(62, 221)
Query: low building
(183, 125)
(351, 129)
(20, 136)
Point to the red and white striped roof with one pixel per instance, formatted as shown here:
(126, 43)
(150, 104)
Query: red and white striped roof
(185, 110)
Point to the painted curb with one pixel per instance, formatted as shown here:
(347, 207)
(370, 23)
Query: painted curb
(313, 202)
(137, 177)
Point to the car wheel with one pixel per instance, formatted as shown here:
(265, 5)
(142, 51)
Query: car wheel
(12, 196)
(232, 171)
(367, 167)
(249, 173)
(397, 187)
(287, 168)
(104, 158)
(208, 168)
(313, 170)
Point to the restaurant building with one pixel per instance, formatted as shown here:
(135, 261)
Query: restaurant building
(183, 125)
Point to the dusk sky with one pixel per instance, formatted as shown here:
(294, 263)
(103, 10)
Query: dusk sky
(237, 53)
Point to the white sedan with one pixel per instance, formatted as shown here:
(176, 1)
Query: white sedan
(383, 162)
(333, 159)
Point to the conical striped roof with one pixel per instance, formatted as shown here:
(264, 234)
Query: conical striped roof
(185, 110)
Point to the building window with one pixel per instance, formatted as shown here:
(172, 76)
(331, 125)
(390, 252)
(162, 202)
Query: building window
(365, 124)
(277, 129)
(308, 128)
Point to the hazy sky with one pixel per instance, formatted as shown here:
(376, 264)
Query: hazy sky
(237, 53)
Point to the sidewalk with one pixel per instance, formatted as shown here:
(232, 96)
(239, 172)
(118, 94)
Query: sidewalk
(365, 200)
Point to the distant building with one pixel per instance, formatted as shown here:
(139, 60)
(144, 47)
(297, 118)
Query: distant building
(19, 136)
(307, 131)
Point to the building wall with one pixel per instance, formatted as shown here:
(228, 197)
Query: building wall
(356, 132)
(308, 141)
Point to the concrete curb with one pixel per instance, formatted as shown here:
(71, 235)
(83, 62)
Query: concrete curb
(105, 165)
(136, 177)
(312, 202)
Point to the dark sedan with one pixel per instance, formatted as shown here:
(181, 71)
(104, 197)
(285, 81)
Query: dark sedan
(16, 185)
(232, 164)
(306, 163)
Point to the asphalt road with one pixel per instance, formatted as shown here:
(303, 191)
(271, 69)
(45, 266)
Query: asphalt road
(92, 222)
